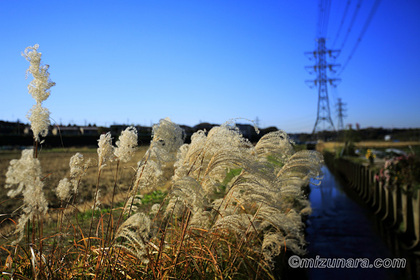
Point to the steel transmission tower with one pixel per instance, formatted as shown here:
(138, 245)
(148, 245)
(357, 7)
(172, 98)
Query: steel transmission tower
(340, 113)
(321, 67)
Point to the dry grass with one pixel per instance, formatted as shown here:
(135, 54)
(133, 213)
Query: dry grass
(55, 166)
(213, 223)
(232, 210)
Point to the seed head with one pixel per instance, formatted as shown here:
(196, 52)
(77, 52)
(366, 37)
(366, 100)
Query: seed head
(126, 145)
(22, 172)
(78, 168)
(26, 173)
(105, 150)
(40, 120)
(39, 88)
(63, 189)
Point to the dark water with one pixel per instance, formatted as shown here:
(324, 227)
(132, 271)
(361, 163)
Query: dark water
(342, 227)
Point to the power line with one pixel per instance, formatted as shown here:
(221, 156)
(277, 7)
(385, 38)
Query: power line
(327, 16)
(362, 33)
(342, 22)
(353, 19)
(320, 17)
(323, 17)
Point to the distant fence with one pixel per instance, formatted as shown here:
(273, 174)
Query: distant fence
(398, 208)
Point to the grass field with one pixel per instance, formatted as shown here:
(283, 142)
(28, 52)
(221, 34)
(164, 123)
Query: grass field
(55, 166)
(213, 217)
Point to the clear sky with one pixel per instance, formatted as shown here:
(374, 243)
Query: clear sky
(136, 62)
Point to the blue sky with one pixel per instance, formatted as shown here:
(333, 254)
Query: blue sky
(209, 61)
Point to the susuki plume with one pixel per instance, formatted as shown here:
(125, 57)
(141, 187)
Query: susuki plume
(39, 88)
(22, 172)
(135, 233)
(167, 138)
(126, 145)
(78, 167)
(63, 189)
(25, 173)
(264, 196)
(105, 150)
(40, 120)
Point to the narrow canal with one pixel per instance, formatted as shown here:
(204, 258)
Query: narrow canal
(342, 227)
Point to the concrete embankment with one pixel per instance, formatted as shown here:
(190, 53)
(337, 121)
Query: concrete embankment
(398, 207)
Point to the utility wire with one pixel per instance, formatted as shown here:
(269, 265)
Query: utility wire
(320, 17)
(324, 14)
(346, 10)
(327, 16)
(362, 33)
(327, 7)
(353, 19)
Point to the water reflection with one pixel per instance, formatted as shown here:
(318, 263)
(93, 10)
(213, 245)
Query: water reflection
(340, 227)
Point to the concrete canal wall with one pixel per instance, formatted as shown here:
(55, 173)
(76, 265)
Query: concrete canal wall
(397, 207)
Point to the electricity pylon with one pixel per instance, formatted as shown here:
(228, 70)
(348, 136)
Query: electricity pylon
(340, 113)
(323, 119)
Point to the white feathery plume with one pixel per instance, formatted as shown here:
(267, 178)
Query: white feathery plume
(135, 231)
(26, 173)
(22, 172)
(148, 176)
(167, 137)
(39, 88)
(264, 196)
(154, 209)
(105, 150)
(126, 145)
(275, 146)
(261, 187)
(40, 120)
(78, 167)
(63, 189)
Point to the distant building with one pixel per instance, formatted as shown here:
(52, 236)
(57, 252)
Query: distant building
(89, 130)
(15, 128)
(117, 129)
(65, 130)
